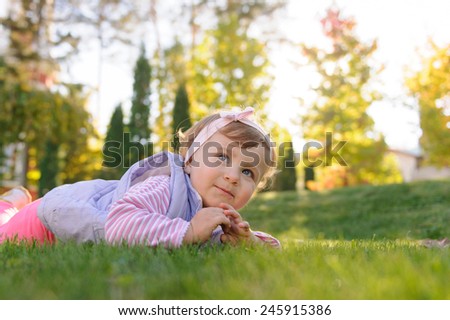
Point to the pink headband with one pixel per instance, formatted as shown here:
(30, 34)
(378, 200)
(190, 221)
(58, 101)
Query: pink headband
(226, 117)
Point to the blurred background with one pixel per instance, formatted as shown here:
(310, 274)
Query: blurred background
(353, 92)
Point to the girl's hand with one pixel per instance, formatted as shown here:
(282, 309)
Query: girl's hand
(204, 223)
(239, 230)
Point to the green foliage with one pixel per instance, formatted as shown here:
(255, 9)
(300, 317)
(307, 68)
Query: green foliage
(48, 166)
(431, 87)
(30, 40)
(80, 160)
(171, 71)
(19, 107)
(376, 256)
(220, 66)
(41, 118)
(36, 110)
(140, 111)
(115, 131)
(181, 118)
(140, 103)
(35, 21)
(228, 65)
(343, 97)
(113, 151)
(286, 178)
(309, 177)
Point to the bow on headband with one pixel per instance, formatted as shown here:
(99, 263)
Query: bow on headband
(238, 115)
(226, 117)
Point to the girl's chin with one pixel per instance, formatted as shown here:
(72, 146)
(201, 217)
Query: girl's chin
(214, 204)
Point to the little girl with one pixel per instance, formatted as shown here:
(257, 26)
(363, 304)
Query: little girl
(167, 199)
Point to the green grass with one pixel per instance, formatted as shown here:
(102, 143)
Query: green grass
(353, 243)
(400, 211)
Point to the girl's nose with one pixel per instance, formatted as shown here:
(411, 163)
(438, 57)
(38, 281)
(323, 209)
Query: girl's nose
(232, 175)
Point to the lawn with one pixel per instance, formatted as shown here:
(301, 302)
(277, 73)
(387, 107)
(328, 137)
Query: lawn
(352, 243)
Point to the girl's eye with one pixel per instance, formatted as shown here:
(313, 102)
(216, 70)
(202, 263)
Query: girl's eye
(222, 157)
(247, 173)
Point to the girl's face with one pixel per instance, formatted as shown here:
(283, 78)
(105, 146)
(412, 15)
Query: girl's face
(222, 172)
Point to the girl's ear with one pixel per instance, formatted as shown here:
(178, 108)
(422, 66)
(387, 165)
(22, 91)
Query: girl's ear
(187, 168)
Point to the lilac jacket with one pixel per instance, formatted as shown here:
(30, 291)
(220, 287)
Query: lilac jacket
(77, 212)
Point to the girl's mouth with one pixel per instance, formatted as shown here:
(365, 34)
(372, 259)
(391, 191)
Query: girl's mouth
(225, 191)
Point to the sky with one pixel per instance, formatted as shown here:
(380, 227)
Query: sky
(400, 27)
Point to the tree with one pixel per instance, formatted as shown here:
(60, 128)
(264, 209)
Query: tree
(46, 121)
(6, 107)
(286, 176)
(431, 87)
(286, 179)
(27, 71)
(171, 71)
(221, 62)
(229, 64)
(81, 160)
(107, 22)
(181, 118)
(140, 102)
(49, 168)
(34, 103)
(42, 36)
(33, 43)
(343, 97)
(140, 110)
(113, 151)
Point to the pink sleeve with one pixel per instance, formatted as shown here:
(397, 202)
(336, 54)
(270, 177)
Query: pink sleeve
(140, 216)
(268, 239)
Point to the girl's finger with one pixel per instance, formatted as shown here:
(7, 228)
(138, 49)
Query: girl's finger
(226, 206)
(232, 213)
(244, 225)
(222, 220)
(224, 238)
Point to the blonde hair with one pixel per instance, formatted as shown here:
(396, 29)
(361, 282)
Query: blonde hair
(245, 135)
